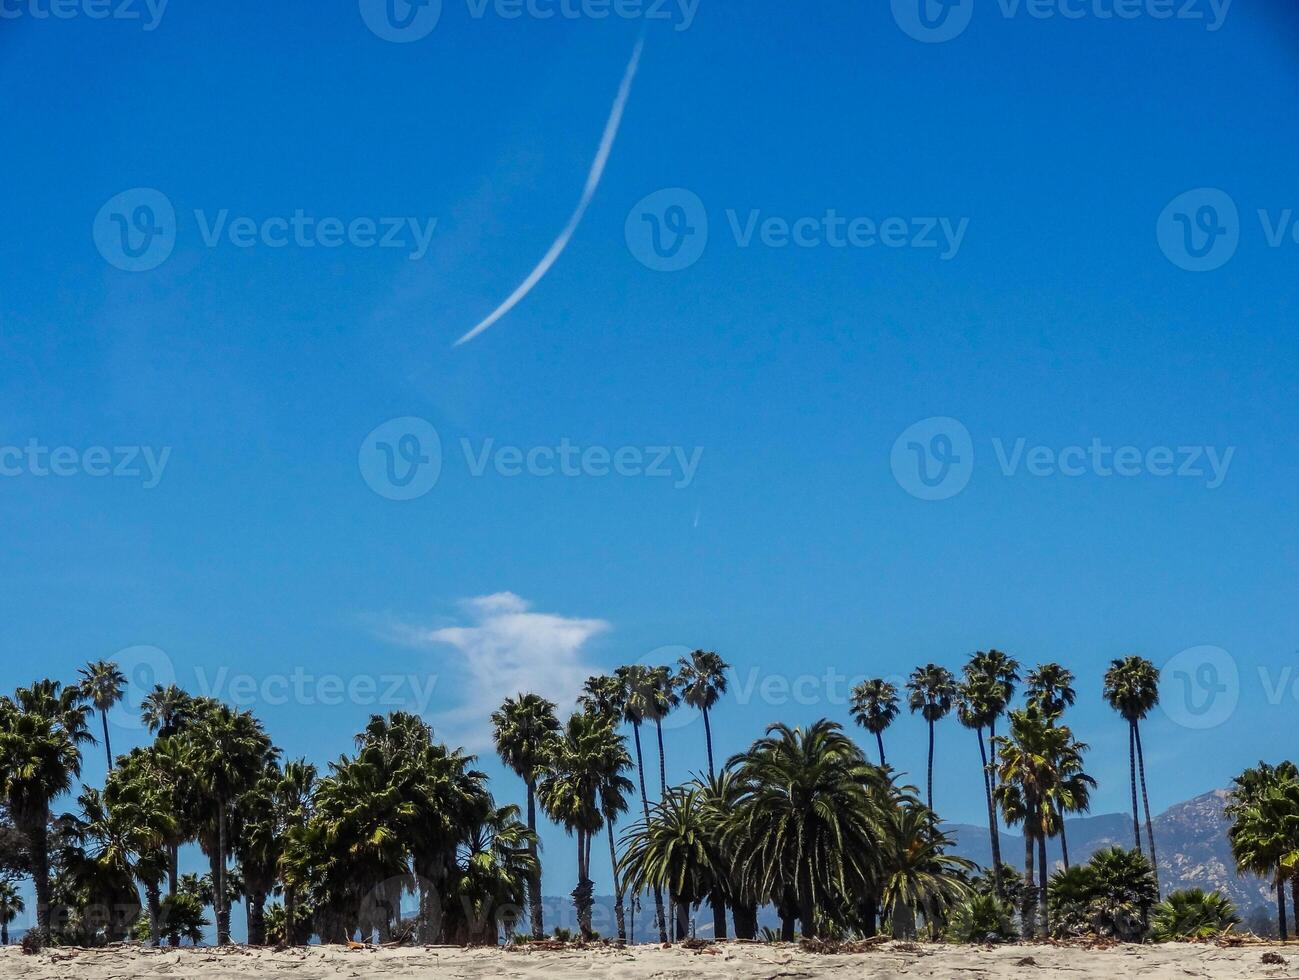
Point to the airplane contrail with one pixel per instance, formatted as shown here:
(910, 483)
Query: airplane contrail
(588, 192)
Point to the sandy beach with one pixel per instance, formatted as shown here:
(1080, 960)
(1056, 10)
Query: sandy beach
(750, 962)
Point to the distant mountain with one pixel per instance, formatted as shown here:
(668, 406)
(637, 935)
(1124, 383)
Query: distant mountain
(1190, 840)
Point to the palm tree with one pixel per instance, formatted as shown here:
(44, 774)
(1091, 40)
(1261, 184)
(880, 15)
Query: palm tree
(1132, 689)
(918, 875)
(702, 679)
(293, 805)
(103, 685)
(41, 731)
(674, 850)
(491, 882)
(11, 906)
(635, 703)
(141, 818)
(874, 706)
(227, 752)
(1050, 689)
(1264, 809)
(524, 728)
(810, 820)
(1192, 913)
(722, 797)
(569, 792)
(976, 702)
(930, 691)
(166, 710)
(1003, 670)
(662, 698)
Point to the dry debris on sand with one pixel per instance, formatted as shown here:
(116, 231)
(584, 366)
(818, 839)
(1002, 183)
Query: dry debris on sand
(698, 960)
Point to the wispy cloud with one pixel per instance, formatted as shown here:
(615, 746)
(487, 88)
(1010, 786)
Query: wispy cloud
(588, 193)
(503, 649)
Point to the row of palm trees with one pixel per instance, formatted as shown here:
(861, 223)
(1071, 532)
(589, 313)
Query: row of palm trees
(802, 820)
(1264, 810)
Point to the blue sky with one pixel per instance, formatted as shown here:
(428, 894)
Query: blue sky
(786, 374)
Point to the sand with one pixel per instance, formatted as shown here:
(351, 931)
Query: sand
(1168, 962)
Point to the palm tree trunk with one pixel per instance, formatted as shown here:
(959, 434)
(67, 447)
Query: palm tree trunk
(108, 746)
(173, 877)
(1064, 844)
(291, 915)
(222, 909)
(1294, 895)
(992, 815)
(619, 915)
(534, 880)
(1145, 799)
(903, 920)
(787, 928)
(1132, 772)
(4, 933)
(746, 920)
(39, 845)
(806, 907)
(931, 769)
(718, 903)
(708, 739)
(681, 929)
(644, 799)
(1043, 873)
(663, 763)
(879, 740)
(153, 895)
(1028, 913)
(256, 905)
(1280, 902)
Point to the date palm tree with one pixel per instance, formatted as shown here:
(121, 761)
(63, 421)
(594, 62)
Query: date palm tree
(103, 685)
(524, 728)
(702, 679)
(918, 875)
(674, 850)
(11, 906)
(930, 690)
(1050, 689)
(42, 729)
(1132, 689)
(874, 706)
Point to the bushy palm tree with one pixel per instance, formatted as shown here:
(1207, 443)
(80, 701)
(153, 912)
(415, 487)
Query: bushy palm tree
(1264, 836)
(810, 820)
(103, 685)
(702, 679)
(1192, 913)
(931, 690)
(634, 700)
(142, 821)
(42, 729)
(523, 728)
(1132, 689)
(874, 706)
(918, 876)
(675, 850)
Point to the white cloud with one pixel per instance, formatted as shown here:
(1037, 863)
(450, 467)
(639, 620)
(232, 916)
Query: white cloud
(503, 650)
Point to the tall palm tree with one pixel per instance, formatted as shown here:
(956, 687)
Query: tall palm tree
(614, 788)
(635, 702)
(1132, 689)
(1003, 670)
(976, 704)
(569, 792)
(42, 729)
(293, 806)
(141, 817)
(662, 699)
(930, 690)
(11, 906)
(227, 751)
(702, 679)
(874, 706)
(1050, 689)
(524, 728)
(103, 685)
